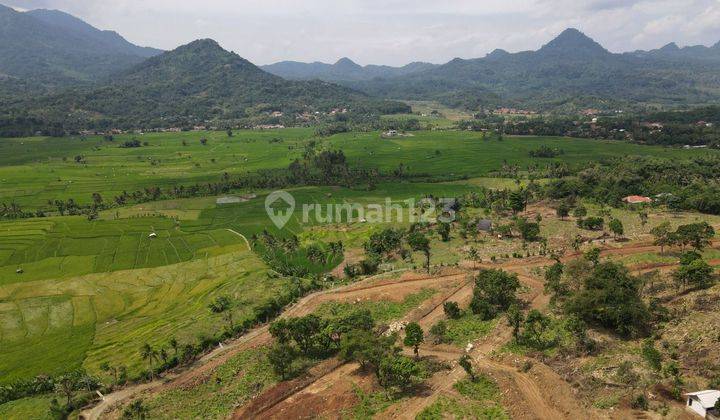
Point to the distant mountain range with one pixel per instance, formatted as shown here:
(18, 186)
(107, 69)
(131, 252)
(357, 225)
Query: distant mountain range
(343, 70)
(53, 48)
(672, 51)
(57, 71)
(570, 71)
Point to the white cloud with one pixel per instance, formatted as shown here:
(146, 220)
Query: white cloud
(395, 31)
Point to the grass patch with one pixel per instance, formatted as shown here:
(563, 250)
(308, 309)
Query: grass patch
(382, 311)
(32, 408)
(228, 386)
(468, 328)
(371, 403)
(478, 400)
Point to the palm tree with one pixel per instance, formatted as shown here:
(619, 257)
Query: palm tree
(222, 304)
(148, 353)
(174, 345)
(473, 255)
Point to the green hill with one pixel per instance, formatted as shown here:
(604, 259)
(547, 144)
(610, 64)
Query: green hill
(51, 48)
(192, 84)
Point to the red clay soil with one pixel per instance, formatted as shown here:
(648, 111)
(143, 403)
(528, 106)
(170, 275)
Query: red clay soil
(540, 393)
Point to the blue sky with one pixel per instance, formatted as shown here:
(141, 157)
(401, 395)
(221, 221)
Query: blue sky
(394, 32)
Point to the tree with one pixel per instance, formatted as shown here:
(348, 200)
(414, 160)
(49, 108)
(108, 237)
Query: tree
(203, 141)
(439, 331)
(534, 327)
(414, 336)
(223, 305)
(554, 284)
(579, 212)
(174, 345)
(697, 235)
(480, 306)
(497, 287)
(515, 319)
(517, 201)
(662, 235)
(110, 370)
(149, 354)
(444, 231)
(528, 231)
(610, 297)
(465, 362)
(593, 255)
(365, 348)
(616, 227)
(696, 272)
(643, 219)
(97, 199)
(229, 132)
(400, 372)
(67, 385)
(281, 357)
(591, 223)
(420, 243)
(562, 211)
(474, 256)
(452, 310)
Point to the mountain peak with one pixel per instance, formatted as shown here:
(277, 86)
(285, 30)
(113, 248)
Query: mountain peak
(572, 40)
(347, 63)
(498, 52)
(670, 47)
(203, 44)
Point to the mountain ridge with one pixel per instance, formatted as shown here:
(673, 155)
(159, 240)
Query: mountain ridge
(192, 84)
(112, 38)
(55, 49)
(570, 71)
(344, 69)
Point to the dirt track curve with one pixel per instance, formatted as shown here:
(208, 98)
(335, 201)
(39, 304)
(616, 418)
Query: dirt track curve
(539, 393)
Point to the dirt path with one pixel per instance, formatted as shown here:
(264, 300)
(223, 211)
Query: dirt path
(393, 288)
(544, 395)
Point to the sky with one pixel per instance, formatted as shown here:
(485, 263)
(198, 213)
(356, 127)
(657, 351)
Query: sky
(394, 32)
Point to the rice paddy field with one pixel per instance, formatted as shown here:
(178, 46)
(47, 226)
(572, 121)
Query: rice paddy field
(75, 293)
(35, 170)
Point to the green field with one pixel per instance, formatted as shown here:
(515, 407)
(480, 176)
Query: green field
(35, 170)
(76, 292)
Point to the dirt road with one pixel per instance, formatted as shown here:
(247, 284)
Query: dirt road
(540, 392)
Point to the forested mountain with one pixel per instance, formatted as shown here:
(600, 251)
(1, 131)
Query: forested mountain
(343, 70)
(51, 48)
(570, 71)
(192, 84)
(672, 51)
(111, 40)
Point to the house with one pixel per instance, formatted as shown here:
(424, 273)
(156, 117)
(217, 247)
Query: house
(390, 133)
(702, 402)
(637, 199)
(484, 225)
